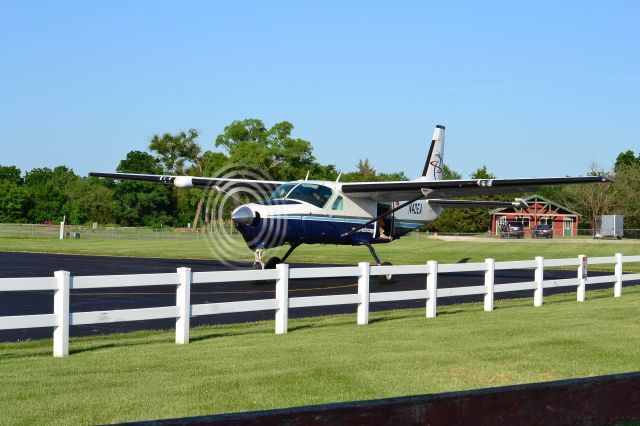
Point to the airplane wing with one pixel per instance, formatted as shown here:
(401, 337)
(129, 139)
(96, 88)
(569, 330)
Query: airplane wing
(193, 182)
(481, 204)
(396, 191)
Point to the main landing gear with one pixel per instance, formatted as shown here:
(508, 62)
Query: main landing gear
(382, 279)
(272, 262)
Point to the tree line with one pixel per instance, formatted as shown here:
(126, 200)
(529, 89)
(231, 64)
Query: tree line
(621, 197)
(44, 195)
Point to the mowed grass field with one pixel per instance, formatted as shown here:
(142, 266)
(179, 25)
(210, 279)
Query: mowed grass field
(247, 367)
(412, 249)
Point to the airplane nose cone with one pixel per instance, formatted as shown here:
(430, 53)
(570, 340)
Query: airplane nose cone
(243, 216)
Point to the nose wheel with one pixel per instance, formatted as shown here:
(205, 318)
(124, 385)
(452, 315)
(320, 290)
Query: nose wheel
(272, 262)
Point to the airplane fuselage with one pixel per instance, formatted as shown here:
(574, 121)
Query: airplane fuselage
(293, 216)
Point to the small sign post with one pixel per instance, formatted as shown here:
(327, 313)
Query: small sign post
(62, 227)
(582, 277)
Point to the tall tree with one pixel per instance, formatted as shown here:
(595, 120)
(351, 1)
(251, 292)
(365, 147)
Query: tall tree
(626, 187)
(11, 174)
(466, 220)
(482, 173)
(13, 202)
(13, 196)
(175, 151)
(91, 201)
(48, 193)
(142, 203)
(625, 160)
(450, 174)
(366, 173)
(273, 151)
(180, 154)
(590, 200)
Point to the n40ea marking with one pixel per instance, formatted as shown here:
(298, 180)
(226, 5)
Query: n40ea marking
(415, 208)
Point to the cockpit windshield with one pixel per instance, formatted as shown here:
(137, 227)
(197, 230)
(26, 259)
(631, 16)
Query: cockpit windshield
(312, 193)
(282, 191)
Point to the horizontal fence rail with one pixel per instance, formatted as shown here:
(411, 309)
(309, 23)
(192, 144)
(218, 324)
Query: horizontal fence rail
(62, 283)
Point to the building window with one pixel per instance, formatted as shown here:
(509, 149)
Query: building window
(526, 222)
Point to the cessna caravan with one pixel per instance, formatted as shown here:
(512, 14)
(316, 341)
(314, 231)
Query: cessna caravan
(352, 213)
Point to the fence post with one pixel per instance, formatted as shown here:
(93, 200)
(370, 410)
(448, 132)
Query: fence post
(183, 302)
(61, 311)
(282, 298)
(539, 279)
(489, 281)
(617, 288)
(432, 288)
(363, 293)
(582, 277)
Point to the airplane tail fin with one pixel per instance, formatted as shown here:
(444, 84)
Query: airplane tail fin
(433, 166)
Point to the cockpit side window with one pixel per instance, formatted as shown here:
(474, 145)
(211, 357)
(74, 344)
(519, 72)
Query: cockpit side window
(312, 193)
(337, 204)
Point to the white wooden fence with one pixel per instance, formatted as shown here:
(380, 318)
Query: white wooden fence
(62, 283)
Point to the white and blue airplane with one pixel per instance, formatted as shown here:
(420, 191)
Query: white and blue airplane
(352, 213)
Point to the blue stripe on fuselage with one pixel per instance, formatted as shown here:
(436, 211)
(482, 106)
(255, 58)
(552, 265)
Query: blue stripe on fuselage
(278, 230)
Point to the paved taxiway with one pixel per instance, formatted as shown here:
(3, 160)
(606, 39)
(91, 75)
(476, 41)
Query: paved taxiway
(41, 302)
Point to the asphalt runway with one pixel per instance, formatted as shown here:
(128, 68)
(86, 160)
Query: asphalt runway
(43, 265)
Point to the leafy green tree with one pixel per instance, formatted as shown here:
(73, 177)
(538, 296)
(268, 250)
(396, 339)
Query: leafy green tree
(324, 172)
(48, 192)
(175, 151)
(625, 160)
(366, 173)
(90, 201)
(10, 174)
(450, 174)
(482, 173)
(142, 203)
(13, 196)
(466, 220)
(274, 150)
(13, 201)
(180, 154)
(626, 188)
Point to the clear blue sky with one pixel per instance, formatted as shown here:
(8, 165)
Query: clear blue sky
(527, 88)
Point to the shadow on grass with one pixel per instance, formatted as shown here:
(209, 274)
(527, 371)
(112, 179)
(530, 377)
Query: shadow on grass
(26, 353)
(389, 318)
(217, 334)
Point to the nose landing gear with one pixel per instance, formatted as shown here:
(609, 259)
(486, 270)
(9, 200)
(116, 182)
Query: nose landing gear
(272, 262)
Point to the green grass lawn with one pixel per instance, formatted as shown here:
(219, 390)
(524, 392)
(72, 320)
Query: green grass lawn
(247, 367)
(409, 250)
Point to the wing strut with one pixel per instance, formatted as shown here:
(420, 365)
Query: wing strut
(406, 203)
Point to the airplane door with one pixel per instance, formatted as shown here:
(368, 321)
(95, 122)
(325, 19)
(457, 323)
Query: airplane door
(385, 226)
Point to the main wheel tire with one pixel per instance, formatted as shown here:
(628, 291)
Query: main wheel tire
(386, 279)
(272, 262)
